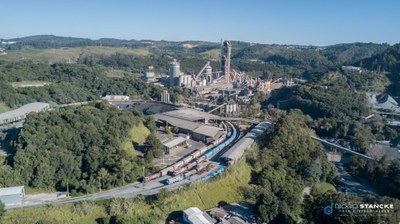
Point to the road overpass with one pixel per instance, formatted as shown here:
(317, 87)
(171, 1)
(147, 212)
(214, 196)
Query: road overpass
(363, 156)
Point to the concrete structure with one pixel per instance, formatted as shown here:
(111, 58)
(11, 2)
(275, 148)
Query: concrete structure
(226, 60)
(20, 113)
(149, 76)
(116, 98)
(12, 195)
(195, 216)
(185, 80)
(351, 69)
(165, 97)
(174, 72)
(383, 102)
(236, 151)
(174, 143)
(207, 134)
(184, 126)
(191, 115)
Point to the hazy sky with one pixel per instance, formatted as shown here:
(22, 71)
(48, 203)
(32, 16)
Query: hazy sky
(316, 22)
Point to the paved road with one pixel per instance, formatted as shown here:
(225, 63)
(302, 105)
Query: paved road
(353, 186)
(127, 191)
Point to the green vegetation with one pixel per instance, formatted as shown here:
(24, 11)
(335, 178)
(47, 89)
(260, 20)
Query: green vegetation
(69, 83)
(288, 160)
(314, 205)
(225, 188)
(3, 107)
(383, 175)
(76, 145)
(322, 187)
(153, 148)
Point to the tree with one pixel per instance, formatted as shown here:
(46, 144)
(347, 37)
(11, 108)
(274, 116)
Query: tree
(153, 147)
(267, 207)
(2, 210)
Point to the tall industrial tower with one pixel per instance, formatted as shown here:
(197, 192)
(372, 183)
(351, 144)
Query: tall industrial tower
(174, 72)
(226, 59)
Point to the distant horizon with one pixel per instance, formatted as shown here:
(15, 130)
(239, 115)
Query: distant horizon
(288, 22)
(210, 41)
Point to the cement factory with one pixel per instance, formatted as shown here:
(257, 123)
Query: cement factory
(220, 87)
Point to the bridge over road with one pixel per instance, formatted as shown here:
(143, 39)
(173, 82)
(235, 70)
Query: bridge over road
(363, 156)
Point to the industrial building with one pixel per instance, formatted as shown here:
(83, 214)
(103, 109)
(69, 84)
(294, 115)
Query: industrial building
(192, 122)
(115, 98)
(174, 143)
(195, 216)
(236, 151)
(12, 195)
(149, 75)
(165, 97)
(184, 126)
(20, 113)
(174, 72)
(226, 60)
(207, 134)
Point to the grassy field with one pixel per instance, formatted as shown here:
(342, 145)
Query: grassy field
(3, 107)
(213, 54)
(138, 135)
(227, 187)
(66, 54)
(322, 187)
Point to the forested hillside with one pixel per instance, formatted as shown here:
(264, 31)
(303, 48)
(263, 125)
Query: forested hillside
(78, 145)
(387, 61)
(288, 160)
(67, 83)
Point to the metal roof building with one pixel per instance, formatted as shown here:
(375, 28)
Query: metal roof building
(12, 195)
(207, 133)
(236, 151)
(20, 113)
(191, 115)
(195, 216)
(184, 125)
(174, 143)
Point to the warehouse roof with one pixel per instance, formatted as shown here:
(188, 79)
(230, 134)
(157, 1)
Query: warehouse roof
(190, 114)
(209, 131)
(237, 150)
(196, 216)
(12, 190)
(23, 111)
(188, 125)
(383, 101)
(173, 142)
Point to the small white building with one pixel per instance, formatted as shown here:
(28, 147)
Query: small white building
(12, 195)
(116, 98)
(194, 215)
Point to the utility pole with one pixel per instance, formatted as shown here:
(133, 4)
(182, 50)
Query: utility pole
(143, 177)
(67, 190)
(99, 185)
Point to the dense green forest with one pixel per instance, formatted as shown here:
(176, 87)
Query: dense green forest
(67, 83)
(255, 59)
(387, 61)
(384, 175)
(79, 145)
(288, 160)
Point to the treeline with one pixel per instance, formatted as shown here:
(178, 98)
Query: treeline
(288, 161)
(68, 83)
(387, 61)
(79, 146)
(383, 175)
(337, 110)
